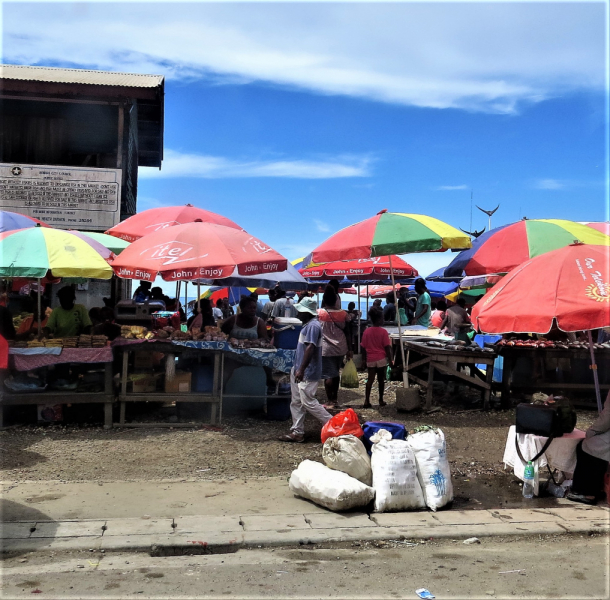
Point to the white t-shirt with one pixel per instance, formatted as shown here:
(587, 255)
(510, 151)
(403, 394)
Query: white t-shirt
(217, 313)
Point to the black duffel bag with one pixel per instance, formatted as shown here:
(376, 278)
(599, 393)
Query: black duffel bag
(549, 421)
(546, 420)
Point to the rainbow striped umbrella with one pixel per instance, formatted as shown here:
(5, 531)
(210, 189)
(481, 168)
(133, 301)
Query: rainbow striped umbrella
(503, 248)
(35, 251)
(390, 233)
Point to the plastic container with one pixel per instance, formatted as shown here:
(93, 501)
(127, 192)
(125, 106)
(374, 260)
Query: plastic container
(286, 332)
(278, 408)
(528, 480)
(203, 379)
(397, 430)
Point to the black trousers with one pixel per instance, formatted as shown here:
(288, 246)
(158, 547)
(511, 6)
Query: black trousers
(589, 473)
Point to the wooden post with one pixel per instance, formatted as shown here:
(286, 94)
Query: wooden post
(430, 389)
(506, 375)
(489, 374)
(39, 312)
(598, 395)
(405, 381)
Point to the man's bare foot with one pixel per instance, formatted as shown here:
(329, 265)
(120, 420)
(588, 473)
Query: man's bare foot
(382, 403)
(367, 405)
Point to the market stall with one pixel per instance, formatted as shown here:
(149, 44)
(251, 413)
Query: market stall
(552, 368)
(93, 386)
(158, 382)
(446, 357)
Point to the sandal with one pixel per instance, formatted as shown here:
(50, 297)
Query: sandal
(583, 499)
(292, 437)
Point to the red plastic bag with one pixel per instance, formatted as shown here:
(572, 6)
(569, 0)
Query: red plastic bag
(343, 423)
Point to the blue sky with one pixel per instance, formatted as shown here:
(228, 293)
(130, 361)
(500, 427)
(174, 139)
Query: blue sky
(296, 120)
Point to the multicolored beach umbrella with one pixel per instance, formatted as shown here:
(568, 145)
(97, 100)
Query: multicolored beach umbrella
(114, 244)
(35, 251)
(503, 248)
(603, 226)
(390, 233)
(9, 221)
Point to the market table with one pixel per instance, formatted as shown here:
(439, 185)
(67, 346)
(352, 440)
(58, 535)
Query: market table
(277, 359)
(28, 359)
(580, 361)
(560, 455)
(442, 360)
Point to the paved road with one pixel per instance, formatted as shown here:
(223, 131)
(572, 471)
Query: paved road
(541, 567)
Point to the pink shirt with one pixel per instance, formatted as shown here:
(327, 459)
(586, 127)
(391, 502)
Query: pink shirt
(374, 341)
(437, 317)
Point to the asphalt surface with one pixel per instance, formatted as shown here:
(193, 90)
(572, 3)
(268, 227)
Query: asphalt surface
(539, 567)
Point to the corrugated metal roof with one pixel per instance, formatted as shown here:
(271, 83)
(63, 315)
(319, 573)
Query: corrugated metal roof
(79, 76)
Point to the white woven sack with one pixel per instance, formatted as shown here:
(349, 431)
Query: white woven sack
(395, 475)
(430, 452)
(332, 489)
(347, 453)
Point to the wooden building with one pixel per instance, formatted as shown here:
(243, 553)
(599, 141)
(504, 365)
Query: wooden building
(71, 142)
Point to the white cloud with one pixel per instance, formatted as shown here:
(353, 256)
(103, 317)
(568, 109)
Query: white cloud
(451, 188)
(178, 164)
(321, 225)
(478, 56)
(549, 184)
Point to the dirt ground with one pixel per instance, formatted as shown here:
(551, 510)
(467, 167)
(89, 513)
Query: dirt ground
(248, 446)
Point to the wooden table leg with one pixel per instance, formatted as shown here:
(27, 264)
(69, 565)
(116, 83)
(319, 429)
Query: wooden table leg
(107, 415)
(489, 375)
(506, 376)
(430, 389)
(124, 371)
(213, 413)
(122, 413)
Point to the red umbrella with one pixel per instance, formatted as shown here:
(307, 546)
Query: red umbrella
(197, 251)
(364, 268)
(156, 219)
(569, 287)
(378, 291)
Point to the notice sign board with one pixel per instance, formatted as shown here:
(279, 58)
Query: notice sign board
(63, 197)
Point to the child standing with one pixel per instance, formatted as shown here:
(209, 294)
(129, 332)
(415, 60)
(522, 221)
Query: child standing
(376, 353)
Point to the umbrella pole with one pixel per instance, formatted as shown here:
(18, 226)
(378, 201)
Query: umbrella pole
(405, 380)
(39, 311)
(359, 319)
(595, 376)
(367, 301)
(186, 300)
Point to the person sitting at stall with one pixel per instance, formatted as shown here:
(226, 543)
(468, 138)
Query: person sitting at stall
(157, 295)
(283, 306)
(69, 319)
(204, 318)
(29, 325)
(268, 308)
(592, 457)
(424, 303)
(457, 321)
(106, 325)
(217, 310)
(376, 354)
(227, 309)
(438, 314)
(246, 325)
(402, 312)
(142, 293)
(389, 310)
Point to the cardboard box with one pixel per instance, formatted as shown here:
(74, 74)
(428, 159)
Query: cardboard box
(142, 384)
(181, 384)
